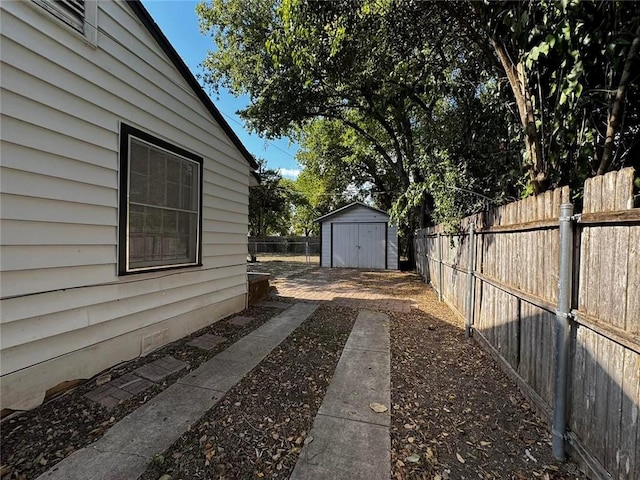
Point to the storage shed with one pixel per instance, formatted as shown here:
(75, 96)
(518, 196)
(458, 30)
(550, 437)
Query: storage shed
(358, 236)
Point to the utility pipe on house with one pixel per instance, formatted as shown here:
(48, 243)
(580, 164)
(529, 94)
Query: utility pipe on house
(563, 326)
(470, 281)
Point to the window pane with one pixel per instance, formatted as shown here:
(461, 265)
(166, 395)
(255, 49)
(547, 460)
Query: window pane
(158, 178)
(161, 186)
(173, 169)
(136, 247)
(184, 222)
(139, 184)
(187, 199)
(173, 195)
(153, 220)
(183, 247)
(169, 222)
(136, 219)
(169, 248)
(188, 174)
(139, 158)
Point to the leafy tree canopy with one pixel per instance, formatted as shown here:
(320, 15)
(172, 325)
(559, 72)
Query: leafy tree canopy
(435, 109)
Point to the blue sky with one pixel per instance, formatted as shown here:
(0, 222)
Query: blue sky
(178, 21)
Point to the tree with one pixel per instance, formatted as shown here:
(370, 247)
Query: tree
(426, 105)
(571, 66)
(348, 63)
(269, 205)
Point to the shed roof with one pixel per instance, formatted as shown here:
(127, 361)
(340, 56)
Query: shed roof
(349, 207)
(163, 42)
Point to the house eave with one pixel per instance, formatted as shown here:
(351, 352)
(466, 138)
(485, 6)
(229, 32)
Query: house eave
(145, 18)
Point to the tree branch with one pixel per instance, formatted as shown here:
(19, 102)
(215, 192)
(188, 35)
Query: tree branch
(617, 105)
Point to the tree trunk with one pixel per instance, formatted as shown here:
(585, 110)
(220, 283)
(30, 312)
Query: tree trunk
(615, 112)
(518, 82)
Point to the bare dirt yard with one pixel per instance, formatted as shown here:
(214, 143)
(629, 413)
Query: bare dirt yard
(455, 414)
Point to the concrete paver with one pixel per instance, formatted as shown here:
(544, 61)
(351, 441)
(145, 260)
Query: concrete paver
(131, 383)
(153, 427)
(274, 304)
(160, 369)
(92, 463)
(371, 335)
(349, 400)
(344, 450)
(349, 439)
(216, 374)
(122, 388)
(126, 449)
(207, 342)
(240, 321)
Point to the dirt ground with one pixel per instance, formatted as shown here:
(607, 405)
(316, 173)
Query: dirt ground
(455, 415)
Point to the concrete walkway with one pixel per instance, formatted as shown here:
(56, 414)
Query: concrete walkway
(126, 449)
(348, 439)
(329, 285)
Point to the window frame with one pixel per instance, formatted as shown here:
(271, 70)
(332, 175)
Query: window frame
(126, 133)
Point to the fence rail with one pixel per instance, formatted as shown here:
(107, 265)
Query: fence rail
(293, 249)
(502, 273)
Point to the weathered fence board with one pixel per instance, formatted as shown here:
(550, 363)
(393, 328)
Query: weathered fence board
(516, 282)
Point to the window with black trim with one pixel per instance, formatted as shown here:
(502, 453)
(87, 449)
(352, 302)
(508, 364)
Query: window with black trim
(160, 204)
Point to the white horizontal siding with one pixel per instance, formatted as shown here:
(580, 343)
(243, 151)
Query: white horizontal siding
(24, 232)
(30, 184)
(92, 83)
(31, 257)
(20, 207)
(39, 327)
(50, 142)
(19, 308)
(62, 105)
(19, 157)
(32, 353)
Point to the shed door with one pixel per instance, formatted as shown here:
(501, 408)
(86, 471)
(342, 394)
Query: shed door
(359, 245)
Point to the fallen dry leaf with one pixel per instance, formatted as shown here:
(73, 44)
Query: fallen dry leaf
(459, 457)
(413, 458)
(378, 407)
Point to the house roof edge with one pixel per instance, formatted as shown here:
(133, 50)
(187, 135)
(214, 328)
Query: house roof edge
(160, 38)
(348, 207)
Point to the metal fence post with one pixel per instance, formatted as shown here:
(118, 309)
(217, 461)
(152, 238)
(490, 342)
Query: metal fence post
(470, 281)
(563, 310)
(439, 267)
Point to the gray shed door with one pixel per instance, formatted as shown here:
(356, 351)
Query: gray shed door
(359, 245)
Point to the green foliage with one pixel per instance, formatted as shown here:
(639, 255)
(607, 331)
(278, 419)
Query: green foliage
(406, 102)
(573, 53)
(269, 205)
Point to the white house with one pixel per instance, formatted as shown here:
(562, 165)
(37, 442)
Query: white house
(358, 236)
(124, 195)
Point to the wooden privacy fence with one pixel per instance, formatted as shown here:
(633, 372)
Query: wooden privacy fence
(502, 275)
